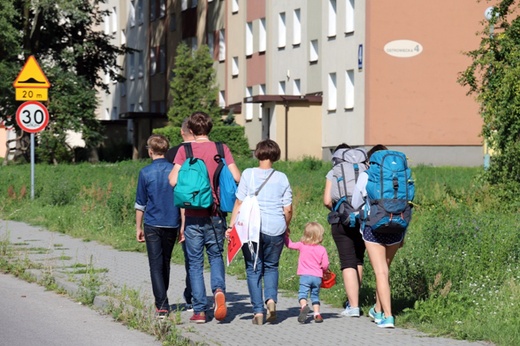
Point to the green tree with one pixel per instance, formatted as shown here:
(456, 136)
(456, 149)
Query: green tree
(64, 37)
(494, 77)
(193, 86)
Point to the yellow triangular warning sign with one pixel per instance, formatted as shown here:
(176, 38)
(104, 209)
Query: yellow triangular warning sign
(31, 76)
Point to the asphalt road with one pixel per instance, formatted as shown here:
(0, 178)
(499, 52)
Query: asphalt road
(29, 315)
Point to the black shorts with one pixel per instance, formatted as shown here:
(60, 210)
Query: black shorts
(350, 244)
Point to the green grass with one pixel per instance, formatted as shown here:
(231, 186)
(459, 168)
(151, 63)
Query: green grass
(457, 275)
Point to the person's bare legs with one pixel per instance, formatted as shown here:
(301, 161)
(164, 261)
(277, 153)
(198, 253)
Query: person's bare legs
(381, 257)
(352, 281)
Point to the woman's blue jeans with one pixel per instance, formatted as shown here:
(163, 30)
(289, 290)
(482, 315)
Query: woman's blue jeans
(269, 253)
(200, 233)
(159, 246)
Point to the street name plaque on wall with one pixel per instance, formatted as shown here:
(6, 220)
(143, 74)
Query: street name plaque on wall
(403, 48)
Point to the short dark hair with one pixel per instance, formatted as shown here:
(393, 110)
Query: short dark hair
(158, 144)
(200, 124)
(342, 146)
(375, 148)
(267, 150)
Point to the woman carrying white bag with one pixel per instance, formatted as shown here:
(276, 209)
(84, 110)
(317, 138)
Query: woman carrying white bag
(262, 249)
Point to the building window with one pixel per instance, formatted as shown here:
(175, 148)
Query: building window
(261, 91)
(153, 61)
(194, 3)
(184, 5)
(249, 39)
(162, 8)
(349, 17)
(122, 89)
(281, 88)
(114, 113)
(106, 23)
(140, 69)
(132, 107)
(262, 37)
(152, 10)
(114, 20)
(234, 68)
(234, 6)
(132, 14)
(282, 31)
(332, 92)
(131, 66)
(349, 89)
(162, 59)
(211, 44)
(313, 51)
(297, 28)
(123, 37)
(222, 45)
(249, 106)
(173, 22)
(107, 113)
(222, 98)
(140, 12)
(331, 29)
(140, 107)
(296, 87)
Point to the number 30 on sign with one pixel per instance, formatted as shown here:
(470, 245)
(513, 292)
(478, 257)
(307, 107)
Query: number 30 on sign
(32, 116)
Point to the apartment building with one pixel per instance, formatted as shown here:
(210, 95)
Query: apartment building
(310, 74)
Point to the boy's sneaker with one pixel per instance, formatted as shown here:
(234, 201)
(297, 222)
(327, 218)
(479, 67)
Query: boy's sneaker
(318, 318)
(220, 311)
(386, 322)
(198, 317)
(161, 314)
(377, 316)
(350, 311)
(188, 307)
(302, 317)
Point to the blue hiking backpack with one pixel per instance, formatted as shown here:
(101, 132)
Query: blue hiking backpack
(390, 191)
(224, 183)
(193, 189)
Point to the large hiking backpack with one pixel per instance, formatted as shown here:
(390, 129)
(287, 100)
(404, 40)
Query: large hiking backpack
(193, 189)
(390, 191)
(348, 164)
(224, 183)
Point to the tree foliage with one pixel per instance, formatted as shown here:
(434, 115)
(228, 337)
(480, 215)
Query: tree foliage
(66, 38)
(494, 77)
(193, 87)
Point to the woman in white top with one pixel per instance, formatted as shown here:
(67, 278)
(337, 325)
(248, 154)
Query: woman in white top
(275, 202)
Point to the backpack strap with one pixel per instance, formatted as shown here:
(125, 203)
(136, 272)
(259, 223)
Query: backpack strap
(265, 181)
(220, 151)
(189, 151)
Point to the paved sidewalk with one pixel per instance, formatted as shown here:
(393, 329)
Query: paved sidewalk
(130, 269)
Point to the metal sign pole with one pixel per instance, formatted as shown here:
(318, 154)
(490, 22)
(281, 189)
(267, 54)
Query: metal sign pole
(32, 165)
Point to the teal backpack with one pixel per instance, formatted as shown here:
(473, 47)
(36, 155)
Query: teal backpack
(224, 183)
(390, 192)
(193, 189)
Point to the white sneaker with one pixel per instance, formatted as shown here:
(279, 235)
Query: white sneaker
(350, 312)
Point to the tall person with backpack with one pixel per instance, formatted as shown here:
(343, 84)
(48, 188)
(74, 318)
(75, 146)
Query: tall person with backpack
(348, 164)
(204, 227)
(385, 192)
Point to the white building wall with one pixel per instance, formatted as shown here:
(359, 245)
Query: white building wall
(339, 55)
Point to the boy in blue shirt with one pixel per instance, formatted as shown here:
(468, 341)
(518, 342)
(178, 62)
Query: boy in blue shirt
(157, 219)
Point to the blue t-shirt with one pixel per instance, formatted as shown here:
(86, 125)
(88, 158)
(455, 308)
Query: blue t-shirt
(155, 195)
(274, 196)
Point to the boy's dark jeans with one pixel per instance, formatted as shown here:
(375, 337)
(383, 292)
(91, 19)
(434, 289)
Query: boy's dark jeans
(159, 245)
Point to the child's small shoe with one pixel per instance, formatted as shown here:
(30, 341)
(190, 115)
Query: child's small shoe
(302, 317)
(318, 318)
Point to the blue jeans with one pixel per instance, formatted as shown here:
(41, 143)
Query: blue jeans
(269, 253)
(159, 245)
(187, 289)
(200, 233)
(309, 283)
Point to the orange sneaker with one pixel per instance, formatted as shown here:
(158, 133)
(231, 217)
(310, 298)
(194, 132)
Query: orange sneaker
(220, 305)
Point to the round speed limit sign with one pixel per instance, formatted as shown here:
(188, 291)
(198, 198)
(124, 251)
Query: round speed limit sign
(32, 116)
